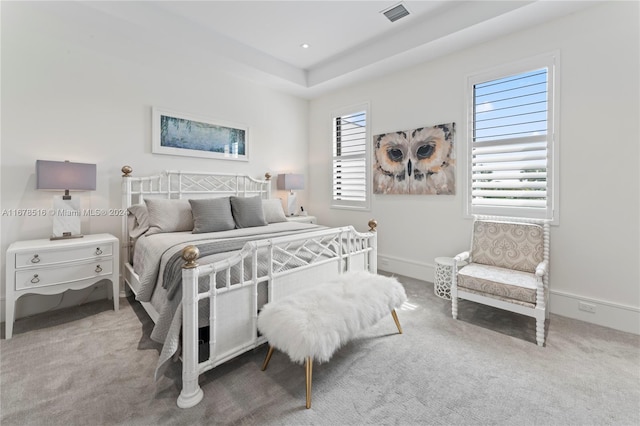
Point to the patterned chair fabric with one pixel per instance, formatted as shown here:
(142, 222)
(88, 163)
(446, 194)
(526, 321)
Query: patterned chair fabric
(518, 246)
(510, 285)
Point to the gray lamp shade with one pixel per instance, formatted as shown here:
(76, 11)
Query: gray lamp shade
(290, 181)
(65, 175)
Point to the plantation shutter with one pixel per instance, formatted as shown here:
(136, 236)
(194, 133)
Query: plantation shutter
(350, 160)
(510, 158)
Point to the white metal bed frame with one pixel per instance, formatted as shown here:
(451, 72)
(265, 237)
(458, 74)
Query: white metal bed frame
(233, 307)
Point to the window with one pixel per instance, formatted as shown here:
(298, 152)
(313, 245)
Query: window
(512, 141)
(350, 178)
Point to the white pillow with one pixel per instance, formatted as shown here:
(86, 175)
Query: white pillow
(168, 215)
(273, 212)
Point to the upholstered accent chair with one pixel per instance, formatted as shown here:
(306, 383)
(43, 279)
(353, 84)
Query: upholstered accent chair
(507, 268)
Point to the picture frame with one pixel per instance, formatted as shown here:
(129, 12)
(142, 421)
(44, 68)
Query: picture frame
(175, 133)
(418, 161)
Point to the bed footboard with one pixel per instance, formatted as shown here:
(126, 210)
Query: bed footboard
(284, 265)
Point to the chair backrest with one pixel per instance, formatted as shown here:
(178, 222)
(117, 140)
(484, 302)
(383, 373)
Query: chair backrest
(510, 245)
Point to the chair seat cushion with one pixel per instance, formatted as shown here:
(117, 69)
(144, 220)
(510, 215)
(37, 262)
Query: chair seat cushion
(505, 284)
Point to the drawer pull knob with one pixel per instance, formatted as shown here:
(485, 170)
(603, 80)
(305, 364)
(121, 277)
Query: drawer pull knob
(35, 259)
(98, 251)
(35, 279)
(98, 268)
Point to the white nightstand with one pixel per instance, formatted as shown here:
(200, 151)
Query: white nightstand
(303, 219)
(52, 267)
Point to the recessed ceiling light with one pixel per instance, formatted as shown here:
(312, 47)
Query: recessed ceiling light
(304, 45)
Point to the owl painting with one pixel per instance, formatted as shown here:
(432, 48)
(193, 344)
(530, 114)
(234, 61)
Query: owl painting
(418, 161)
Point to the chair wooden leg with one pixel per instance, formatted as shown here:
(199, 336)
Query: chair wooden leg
(308, 367)
(268, 358)
(540, 331)
(395, 318)
(454, 306)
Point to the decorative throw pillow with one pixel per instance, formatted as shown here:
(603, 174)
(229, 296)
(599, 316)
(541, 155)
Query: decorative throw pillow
(168, 215)
(138, 220)
(247, 212)
(272, 210)
(212, 215)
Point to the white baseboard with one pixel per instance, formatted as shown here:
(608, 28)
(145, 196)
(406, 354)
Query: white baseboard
(607, 314)
(408, 268)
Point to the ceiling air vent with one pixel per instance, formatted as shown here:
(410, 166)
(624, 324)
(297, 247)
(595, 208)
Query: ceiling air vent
(396, 12)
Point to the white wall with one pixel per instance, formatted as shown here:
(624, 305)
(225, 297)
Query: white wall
(595, 251)
(67, 94)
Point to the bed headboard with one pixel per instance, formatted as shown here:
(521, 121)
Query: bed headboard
(180, 184)
(186, 185)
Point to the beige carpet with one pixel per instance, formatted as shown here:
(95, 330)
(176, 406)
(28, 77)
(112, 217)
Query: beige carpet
(89, 365)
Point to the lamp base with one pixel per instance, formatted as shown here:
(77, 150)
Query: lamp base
(292, 204)
(66, 218)
(66, 237)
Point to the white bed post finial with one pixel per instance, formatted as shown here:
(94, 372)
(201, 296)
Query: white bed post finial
(373, 253)
(267, 178)
(191, 393)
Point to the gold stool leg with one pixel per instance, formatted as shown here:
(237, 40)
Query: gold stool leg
(395, 318)
(268, 358)
(308, 367)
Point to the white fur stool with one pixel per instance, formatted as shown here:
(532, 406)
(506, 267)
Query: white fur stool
(312, 324)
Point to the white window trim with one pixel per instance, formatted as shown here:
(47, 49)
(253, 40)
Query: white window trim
(552, 61)
(354, 205)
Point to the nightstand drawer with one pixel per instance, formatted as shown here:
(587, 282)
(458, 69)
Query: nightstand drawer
(51, 257)
(42, 277)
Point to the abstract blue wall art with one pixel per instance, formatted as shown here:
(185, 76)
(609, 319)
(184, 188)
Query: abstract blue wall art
(181, 134)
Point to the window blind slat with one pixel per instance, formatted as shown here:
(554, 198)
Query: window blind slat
(511, 147)
(510, 157)
(500, 193)
(508, 184)
(509, 202)
(522, 165)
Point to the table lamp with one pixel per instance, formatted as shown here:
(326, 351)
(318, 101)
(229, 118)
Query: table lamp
(67, 176)
(289, 182)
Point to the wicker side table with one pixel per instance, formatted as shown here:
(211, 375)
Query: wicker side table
(442, 281)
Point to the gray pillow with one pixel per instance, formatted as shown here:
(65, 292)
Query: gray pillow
(168, 215)
(212, 215)
(247, 212)
(138, 220)
(272, 210)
